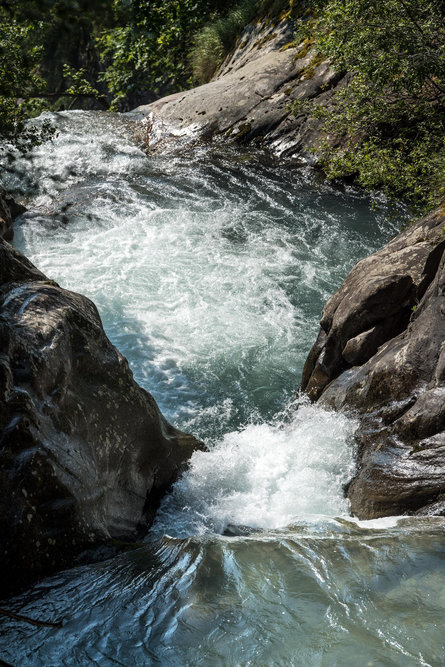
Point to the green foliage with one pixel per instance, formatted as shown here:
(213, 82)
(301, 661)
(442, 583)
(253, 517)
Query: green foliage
(35, 38)
(218, 38)
(207, 54)
(65, 34)
(79, 83)
(146, 49)
(396, 41)
(389, 120)
(19, 79)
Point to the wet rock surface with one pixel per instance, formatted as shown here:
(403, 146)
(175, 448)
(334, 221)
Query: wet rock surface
(248, 100)
(381, 352)
(9, 210)
(85, 455)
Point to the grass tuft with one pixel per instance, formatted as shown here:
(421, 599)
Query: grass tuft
(217, 39)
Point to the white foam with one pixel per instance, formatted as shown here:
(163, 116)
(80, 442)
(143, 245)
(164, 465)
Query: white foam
(380, 523)
(265, 476)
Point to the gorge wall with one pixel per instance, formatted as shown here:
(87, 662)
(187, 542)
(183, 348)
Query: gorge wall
(380, 352)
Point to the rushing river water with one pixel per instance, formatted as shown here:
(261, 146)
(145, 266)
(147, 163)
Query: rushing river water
(210, 270)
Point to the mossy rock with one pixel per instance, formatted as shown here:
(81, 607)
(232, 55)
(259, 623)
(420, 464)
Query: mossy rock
(310, 70)
(243, 129)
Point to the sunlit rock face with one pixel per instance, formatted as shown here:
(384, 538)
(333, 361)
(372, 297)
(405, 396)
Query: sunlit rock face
(85, 453)
(380, 351)
(248, 101)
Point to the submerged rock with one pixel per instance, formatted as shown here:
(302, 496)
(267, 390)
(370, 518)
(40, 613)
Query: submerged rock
(85, 454)
(249, 98)
(381, 352)
(9, 210)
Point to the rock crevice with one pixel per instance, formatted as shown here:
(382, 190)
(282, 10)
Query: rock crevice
(9, 210)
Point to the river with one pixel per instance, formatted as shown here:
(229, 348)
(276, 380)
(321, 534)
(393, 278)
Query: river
(210, 267)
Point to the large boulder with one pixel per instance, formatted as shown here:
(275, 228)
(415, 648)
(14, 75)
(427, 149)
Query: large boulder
(85, 454)
(380, 352)
(249, 99)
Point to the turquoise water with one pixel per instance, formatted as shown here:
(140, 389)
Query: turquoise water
(210, 270)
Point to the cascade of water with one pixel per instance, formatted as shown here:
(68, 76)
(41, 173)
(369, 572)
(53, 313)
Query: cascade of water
(210, 270)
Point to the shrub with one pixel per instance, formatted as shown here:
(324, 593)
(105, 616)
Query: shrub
(389, 120)
(218, 38)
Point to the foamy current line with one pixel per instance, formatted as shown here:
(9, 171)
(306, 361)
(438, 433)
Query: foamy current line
(209, 271)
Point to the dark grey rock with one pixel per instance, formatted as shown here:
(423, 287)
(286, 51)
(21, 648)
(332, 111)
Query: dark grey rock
(382, 355)
(85, 454)
(9, 210)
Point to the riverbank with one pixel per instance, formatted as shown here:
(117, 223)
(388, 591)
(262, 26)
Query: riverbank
(249, 100)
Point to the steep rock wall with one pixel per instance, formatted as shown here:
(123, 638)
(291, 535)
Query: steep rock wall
(380, 352)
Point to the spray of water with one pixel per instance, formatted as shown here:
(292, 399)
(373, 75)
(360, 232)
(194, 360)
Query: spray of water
(264, 476)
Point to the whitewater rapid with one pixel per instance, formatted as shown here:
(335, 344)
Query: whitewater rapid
(210, 268)
(209, 271)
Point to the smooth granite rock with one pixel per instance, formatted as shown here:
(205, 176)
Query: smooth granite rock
(85, 455)
(248, 100)
(381, 353)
